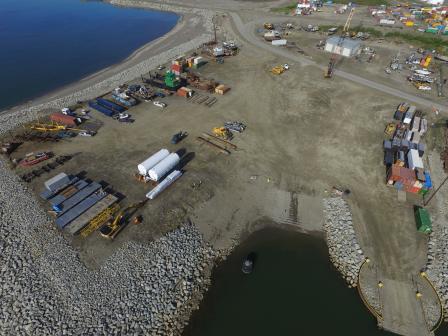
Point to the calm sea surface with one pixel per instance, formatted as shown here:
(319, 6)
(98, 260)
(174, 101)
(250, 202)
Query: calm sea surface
(46, 44)
(294, 290)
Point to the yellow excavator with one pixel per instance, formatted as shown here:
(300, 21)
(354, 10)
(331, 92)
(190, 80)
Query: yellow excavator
(223, 133)
(111, 229)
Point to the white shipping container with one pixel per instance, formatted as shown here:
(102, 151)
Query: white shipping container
(409, 135)
(170, 179)
(423, 126)
(163, 167)
(150, 162)
(416, 137)
(54, 179)
(387, 22)
(279, 42)
(416, 124)
(414, 160)
(198, 60)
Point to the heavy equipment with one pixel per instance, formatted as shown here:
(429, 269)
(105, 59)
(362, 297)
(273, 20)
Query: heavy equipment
(99, 220)
(223, 133)
(111, 229)
(390, 129)
(278, 70)
(268, 26)
(334, 56)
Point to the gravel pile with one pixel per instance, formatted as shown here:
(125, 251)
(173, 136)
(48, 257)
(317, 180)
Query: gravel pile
(437, 266)
(46, 290)
(345, 252)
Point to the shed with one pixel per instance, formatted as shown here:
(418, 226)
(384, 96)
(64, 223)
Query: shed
(348, 47)
(423, 220)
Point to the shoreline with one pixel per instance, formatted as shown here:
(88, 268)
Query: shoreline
(139, 62)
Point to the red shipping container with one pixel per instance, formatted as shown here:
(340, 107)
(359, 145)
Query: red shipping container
(63, 119)
(176, 68)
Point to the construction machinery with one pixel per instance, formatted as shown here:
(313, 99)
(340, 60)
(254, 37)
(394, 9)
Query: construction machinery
(99, 220)
(390, 129)
(268, 26)
(334, 56)
(111, 229)
(278, 70)
(223, 133)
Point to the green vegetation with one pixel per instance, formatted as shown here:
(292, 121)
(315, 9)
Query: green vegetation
(372, 31)
(421, 40)
(363, 2)
(285, 9)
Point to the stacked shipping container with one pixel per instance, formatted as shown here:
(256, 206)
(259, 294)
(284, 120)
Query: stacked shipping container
(403, 153)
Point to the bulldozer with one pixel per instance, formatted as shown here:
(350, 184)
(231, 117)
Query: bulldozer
(111, 229)
(223, 133)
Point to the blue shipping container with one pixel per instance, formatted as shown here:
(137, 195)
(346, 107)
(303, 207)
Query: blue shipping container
(76, 198)
(82, 207)
(428, 182)
(110, 105)
(102, 109)
(58, 199)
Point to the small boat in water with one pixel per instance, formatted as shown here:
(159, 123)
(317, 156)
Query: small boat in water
(248, 264)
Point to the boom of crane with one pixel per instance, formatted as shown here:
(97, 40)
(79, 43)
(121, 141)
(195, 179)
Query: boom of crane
(334, 56)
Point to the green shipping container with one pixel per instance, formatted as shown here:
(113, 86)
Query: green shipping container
(431, 30)
(423, 220)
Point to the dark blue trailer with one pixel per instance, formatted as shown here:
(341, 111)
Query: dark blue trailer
(111, 105)
(93, 104)
(78, 210)
(58, 199)
(76, 198)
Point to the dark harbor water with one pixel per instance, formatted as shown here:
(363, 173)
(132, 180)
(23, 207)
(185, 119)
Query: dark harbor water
(293, 290)
(46, 44)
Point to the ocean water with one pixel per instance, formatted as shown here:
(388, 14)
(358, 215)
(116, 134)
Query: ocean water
(293, 290)
(46, 44)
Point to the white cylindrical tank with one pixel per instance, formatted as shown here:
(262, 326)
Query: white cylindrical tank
(170, 179)
(150, 162)
(163, 167)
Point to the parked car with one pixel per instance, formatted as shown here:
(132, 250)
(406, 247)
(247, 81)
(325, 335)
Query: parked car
(160, 67)
(178, 137)
(86, 133)
(159, 104)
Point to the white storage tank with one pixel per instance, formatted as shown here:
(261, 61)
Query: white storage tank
(170, 179)
(150, 162)
(163, 167)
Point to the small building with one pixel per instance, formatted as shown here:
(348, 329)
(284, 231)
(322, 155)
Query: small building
(348, 47)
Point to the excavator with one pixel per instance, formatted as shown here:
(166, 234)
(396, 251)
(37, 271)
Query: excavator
(334, 57)
(111, 229)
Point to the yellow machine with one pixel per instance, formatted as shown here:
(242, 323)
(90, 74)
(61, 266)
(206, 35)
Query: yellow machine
(222, 132)
(99, 220)
(47, 127)
(111, 229)
(390, 129)
(278, 70)
(268, 26)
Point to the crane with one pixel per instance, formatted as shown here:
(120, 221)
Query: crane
(334, 57)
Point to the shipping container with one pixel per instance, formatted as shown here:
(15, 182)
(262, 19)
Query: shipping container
(68, 192)
(423, 220)
(111, 105)
(47, 194)
(79, 209)
(76, 198)
(102, 109)
(414, 160)
(281, 42)
(55, 180)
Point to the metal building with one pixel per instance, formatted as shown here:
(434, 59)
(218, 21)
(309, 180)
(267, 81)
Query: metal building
(348, 48)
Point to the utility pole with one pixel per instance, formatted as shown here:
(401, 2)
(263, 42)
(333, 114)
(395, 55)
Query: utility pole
(425, 202)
